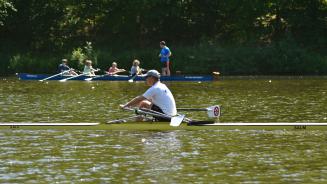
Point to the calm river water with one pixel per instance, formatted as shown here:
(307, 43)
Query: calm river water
(180, 156)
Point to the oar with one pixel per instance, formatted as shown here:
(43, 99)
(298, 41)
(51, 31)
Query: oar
(64, 80)
(96, 77)
(174, 120)
(55, 75)
(91, 78)
(132, 78)
(212, 111)
(177, 120)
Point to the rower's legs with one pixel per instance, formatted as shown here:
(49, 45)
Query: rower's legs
(145, 104)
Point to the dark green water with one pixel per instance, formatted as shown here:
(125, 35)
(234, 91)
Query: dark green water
(203, 156)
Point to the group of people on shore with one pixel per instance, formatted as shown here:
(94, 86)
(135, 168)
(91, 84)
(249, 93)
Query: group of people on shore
(114, 70)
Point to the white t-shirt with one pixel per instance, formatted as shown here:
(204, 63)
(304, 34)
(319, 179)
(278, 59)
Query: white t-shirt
(162, 97)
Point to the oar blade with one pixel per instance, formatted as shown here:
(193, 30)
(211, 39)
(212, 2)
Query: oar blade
(132, 78)
(213, 111)
(176, 120)
(88, 79)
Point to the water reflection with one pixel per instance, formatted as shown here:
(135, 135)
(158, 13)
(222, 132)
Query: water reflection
(161, 153)
(162, 157)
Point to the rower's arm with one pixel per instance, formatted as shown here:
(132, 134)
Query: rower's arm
(135, 102)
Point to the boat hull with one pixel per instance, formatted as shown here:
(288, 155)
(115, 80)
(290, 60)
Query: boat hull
(162, 126)
(26, 76)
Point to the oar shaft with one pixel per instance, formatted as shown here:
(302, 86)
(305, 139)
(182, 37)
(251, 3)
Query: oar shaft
(55, 75)
(192, 109)
(153, 113)
(91, 78)
(162, 115)
(150, 112)
(62, 80)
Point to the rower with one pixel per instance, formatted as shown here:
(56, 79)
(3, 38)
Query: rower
(135, 69)
(113, 70)
(64, 67)
(157, 98)
(88, 69)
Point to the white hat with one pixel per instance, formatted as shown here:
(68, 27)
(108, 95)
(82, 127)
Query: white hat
(153, 73)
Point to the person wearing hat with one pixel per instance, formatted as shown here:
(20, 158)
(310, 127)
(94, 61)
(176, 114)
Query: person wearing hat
(158, 97)
(164, 58)
(136, 69)
(64, 67)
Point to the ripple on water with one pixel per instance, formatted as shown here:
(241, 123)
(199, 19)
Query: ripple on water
(95, 156)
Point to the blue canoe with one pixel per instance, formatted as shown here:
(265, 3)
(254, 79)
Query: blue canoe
(197, 78)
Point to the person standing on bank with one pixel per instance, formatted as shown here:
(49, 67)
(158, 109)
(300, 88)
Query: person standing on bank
(164, 58)
(158, 97)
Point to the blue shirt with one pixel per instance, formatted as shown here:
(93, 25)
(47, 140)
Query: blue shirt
(63, 67)
(164, 54)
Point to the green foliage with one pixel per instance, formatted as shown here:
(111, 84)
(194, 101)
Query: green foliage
(79, 55)
(5, 8)
(255, 37)
(33, 63)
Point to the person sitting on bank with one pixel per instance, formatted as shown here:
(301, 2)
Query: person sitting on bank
(88, 69)
(63, 67)
(158, 97)
(135, 69)
(113, 70)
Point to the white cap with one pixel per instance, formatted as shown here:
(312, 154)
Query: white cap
(153, 73)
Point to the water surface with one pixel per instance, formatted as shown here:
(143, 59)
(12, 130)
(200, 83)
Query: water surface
(203, 156)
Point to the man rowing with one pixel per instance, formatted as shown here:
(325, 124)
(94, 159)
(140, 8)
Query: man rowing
(157, 98)
(63, 67)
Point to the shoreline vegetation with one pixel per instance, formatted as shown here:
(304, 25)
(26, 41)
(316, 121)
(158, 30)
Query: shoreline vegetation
(278, 59)
(235, 37)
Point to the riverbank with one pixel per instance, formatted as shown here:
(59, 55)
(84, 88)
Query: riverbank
(282, 58)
